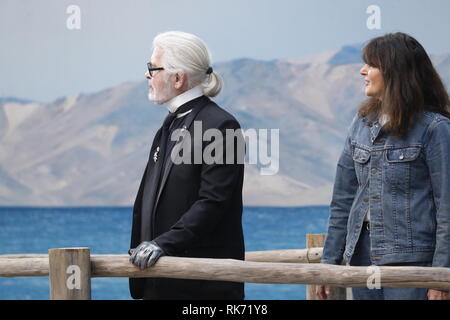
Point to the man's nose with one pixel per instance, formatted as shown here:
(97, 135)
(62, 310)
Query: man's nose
(147, 75)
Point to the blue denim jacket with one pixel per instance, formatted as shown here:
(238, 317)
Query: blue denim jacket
(406, 185)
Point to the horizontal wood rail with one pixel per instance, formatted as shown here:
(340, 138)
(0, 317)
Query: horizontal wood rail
(35, 265)
(311, 255)
(241, 271)
(70, 270)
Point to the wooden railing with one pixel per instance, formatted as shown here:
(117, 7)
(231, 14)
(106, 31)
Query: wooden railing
(70, 270)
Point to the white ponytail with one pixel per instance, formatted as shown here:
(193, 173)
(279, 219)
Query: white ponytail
(212, 85)
(187, 53)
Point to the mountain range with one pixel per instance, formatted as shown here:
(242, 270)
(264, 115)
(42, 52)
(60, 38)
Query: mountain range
(91, 149)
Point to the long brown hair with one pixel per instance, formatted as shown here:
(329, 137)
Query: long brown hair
(412, 84)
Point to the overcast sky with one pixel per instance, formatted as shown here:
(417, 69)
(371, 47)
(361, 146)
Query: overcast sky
(42, 59)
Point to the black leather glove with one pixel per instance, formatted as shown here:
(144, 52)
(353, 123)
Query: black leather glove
(146, 254)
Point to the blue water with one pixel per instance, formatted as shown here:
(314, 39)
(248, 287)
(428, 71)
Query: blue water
(107, 230)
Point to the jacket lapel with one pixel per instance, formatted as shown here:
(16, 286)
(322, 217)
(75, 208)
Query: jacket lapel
(149, 166)
(169, 163)
(137, 207)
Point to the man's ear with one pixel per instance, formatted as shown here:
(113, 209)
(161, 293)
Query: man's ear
(180, 80)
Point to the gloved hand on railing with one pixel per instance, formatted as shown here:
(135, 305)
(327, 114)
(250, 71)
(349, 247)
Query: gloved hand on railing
(146, 254)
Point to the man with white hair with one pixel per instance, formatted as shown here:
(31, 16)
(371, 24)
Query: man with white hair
(192, 208)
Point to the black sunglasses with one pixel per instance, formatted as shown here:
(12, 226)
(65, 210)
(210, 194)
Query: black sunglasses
(151, 69)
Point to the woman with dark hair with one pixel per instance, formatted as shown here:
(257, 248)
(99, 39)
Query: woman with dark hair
(391, 197)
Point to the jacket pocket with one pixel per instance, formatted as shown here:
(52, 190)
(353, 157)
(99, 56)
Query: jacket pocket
(361, 158)
(399, 162)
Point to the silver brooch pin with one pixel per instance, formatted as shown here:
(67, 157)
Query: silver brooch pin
(155, 155)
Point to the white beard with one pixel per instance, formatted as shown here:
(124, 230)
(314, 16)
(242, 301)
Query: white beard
(165, 94)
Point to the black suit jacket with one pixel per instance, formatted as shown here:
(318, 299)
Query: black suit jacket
(198, 211)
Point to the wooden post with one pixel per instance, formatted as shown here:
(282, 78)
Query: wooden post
(70, 274)
(315, 241)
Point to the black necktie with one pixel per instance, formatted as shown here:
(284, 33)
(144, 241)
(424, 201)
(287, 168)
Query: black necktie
(153, 175)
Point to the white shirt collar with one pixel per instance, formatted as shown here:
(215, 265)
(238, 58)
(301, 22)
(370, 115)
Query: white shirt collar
(176, 102)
